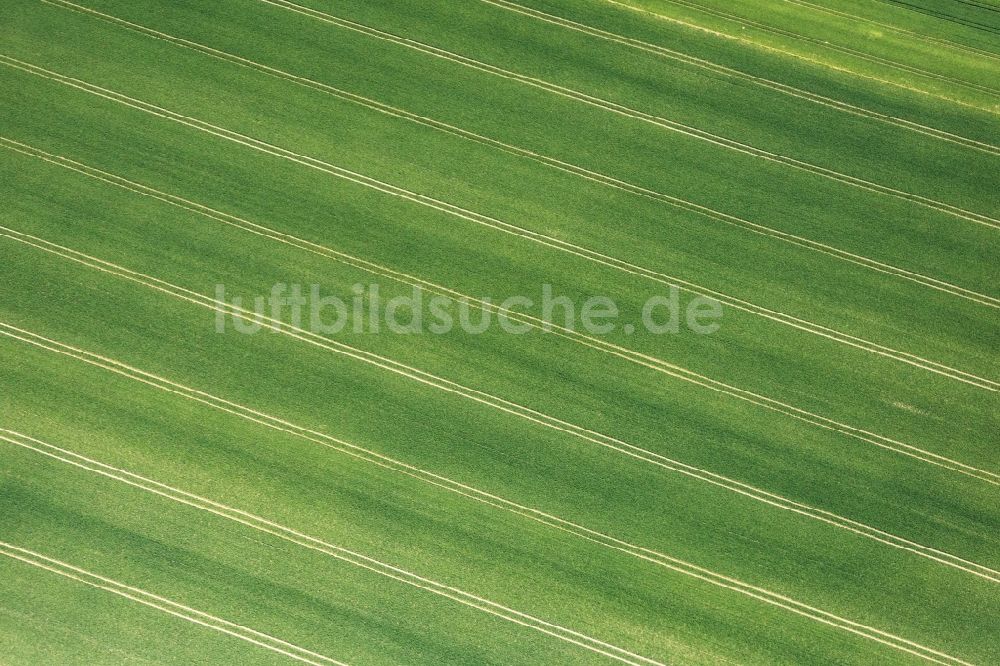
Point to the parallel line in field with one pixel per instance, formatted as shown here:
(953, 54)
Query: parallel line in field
(301, 539)
(625, 111)
(798, 56)
(362, 561)
(910, 69)
(88, 578)
(165, 605)
(138, 188)
(651, 363)
(411, 280)
(323, 439)
(943, 16)
(743, 76)
(483, 220)
(986, 4)
(895, 28)
(918, 651)
(450, 386)
(660, 366)
(496, 403)
(566, 167)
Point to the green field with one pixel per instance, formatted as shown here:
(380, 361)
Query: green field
(816, 481)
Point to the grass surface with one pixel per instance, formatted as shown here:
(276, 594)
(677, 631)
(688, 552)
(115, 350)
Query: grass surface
(815, 482)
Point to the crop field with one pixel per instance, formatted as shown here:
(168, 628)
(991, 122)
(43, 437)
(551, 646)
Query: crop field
(500, 331)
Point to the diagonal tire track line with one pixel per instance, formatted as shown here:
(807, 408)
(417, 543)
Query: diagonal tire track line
(493, 223)
(653, 363)
(473, 394)
(165, 605)
(798, 56)
(937, 653)
(88, 578)
(277, 325)
(895, 28)
(275, 529)
(603, 34)
(838, 48)
(106, 584)
(661, 366)
(944, 16)
(513, 409)
(732, 73)
(635, 114)
(566, 167)
(342, 446)
(357, 559)
(246, 225)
